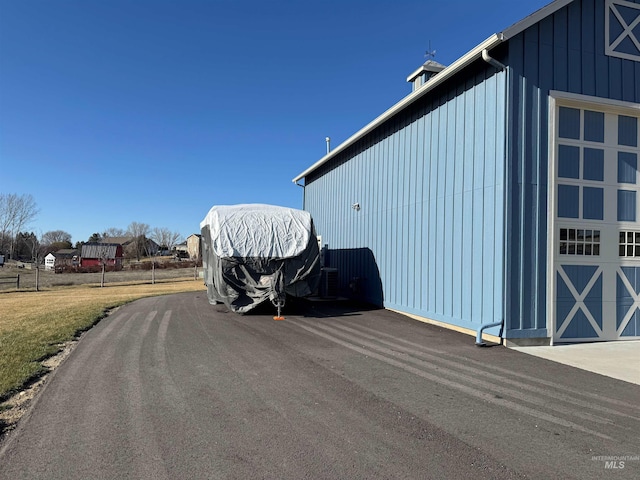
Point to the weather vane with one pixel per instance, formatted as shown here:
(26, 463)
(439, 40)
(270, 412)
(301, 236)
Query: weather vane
(430, 53)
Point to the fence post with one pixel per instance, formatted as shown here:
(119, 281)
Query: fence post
(18, 282)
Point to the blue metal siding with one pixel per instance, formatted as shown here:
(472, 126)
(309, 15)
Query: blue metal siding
(449, 240)
(430, 187)
(565, 52)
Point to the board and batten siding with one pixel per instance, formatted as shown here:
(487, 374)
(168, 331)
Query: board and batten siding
(564, 52)
(430, 188)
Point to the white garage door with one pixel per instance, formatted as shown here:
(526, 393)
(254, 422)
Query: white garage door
(594, 212)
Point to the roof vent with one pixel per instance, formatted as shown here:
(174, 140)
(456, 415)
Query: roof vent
(429, 69)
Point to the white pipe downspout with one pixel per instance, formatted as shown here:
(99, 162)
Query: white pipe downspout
(499, 66)
(492, 61)
(479, 341)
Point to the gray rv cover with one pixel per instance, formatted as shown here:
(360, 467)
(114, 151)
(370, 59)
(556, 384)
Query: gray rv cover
(252, 253)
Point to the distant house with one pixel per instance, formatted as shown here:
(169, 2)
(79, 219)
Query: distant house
(193, 246)
(61, 258)
(152, 248)
(124, 241)
(93, 254)
(128, 243)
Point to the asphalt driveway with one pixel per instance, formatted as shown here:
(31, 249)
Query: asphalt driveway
(172, 387)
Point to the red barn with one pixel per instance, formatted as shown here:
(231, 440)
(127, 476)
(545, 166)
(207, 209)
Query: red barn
(94, 254)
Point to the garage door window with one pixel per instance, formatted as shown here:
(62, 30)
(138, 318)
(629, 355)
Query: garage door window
(627, 131)
(626, 206)
(569, 123)
(593, 164)
(574, 121)
(627, 167)
(593, 126)
(578, 241)
(568, 161)
(629, 244)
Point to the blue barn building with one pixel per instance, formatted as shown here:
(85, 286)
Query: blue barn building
(504, 189)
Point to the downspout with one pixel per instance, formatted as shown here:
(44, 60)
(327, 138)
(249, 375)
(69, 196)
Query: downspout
(304, 199)
(492, 61)
(479, 342)
(499, 66)
(304, 191)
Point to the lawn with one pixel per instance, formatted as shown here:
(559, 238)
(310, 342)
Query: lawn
(33, 325)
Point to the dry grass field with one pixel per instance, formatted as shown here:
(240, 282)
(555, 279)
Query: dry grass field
(34, 325)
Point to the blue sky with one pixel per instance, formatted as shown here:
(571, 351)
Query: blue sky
(153, 111)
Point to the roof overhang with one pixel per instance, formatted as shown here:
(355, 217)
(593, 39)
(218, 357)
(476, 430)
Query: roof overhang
(457, 66)
(534, 18)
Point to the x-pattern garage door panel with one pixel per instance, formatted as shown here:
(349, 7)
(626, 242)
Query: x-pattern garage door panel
(628, 302)
(622, 29)
(579, 302)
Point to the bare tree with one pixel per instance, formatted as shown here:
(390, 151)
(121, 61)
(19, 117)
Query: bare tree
(136, 229)
(174, 240)
(165, 238)
(103, 255)
(16, 212)
(55, 236)
(55, 241)
(139, 232)
(31, 243)
(54, 247)
(113, 232)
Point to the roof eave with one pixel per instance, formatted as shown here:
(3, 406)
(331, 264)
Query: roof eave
(534, 18)
(436, 80)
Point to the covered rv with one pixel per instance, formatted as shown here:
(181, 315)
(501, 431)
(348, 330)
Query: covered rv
(252, 253)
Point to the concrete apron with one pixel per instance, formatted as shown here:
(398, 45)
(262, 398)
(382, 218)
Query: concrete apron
(619, 359)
